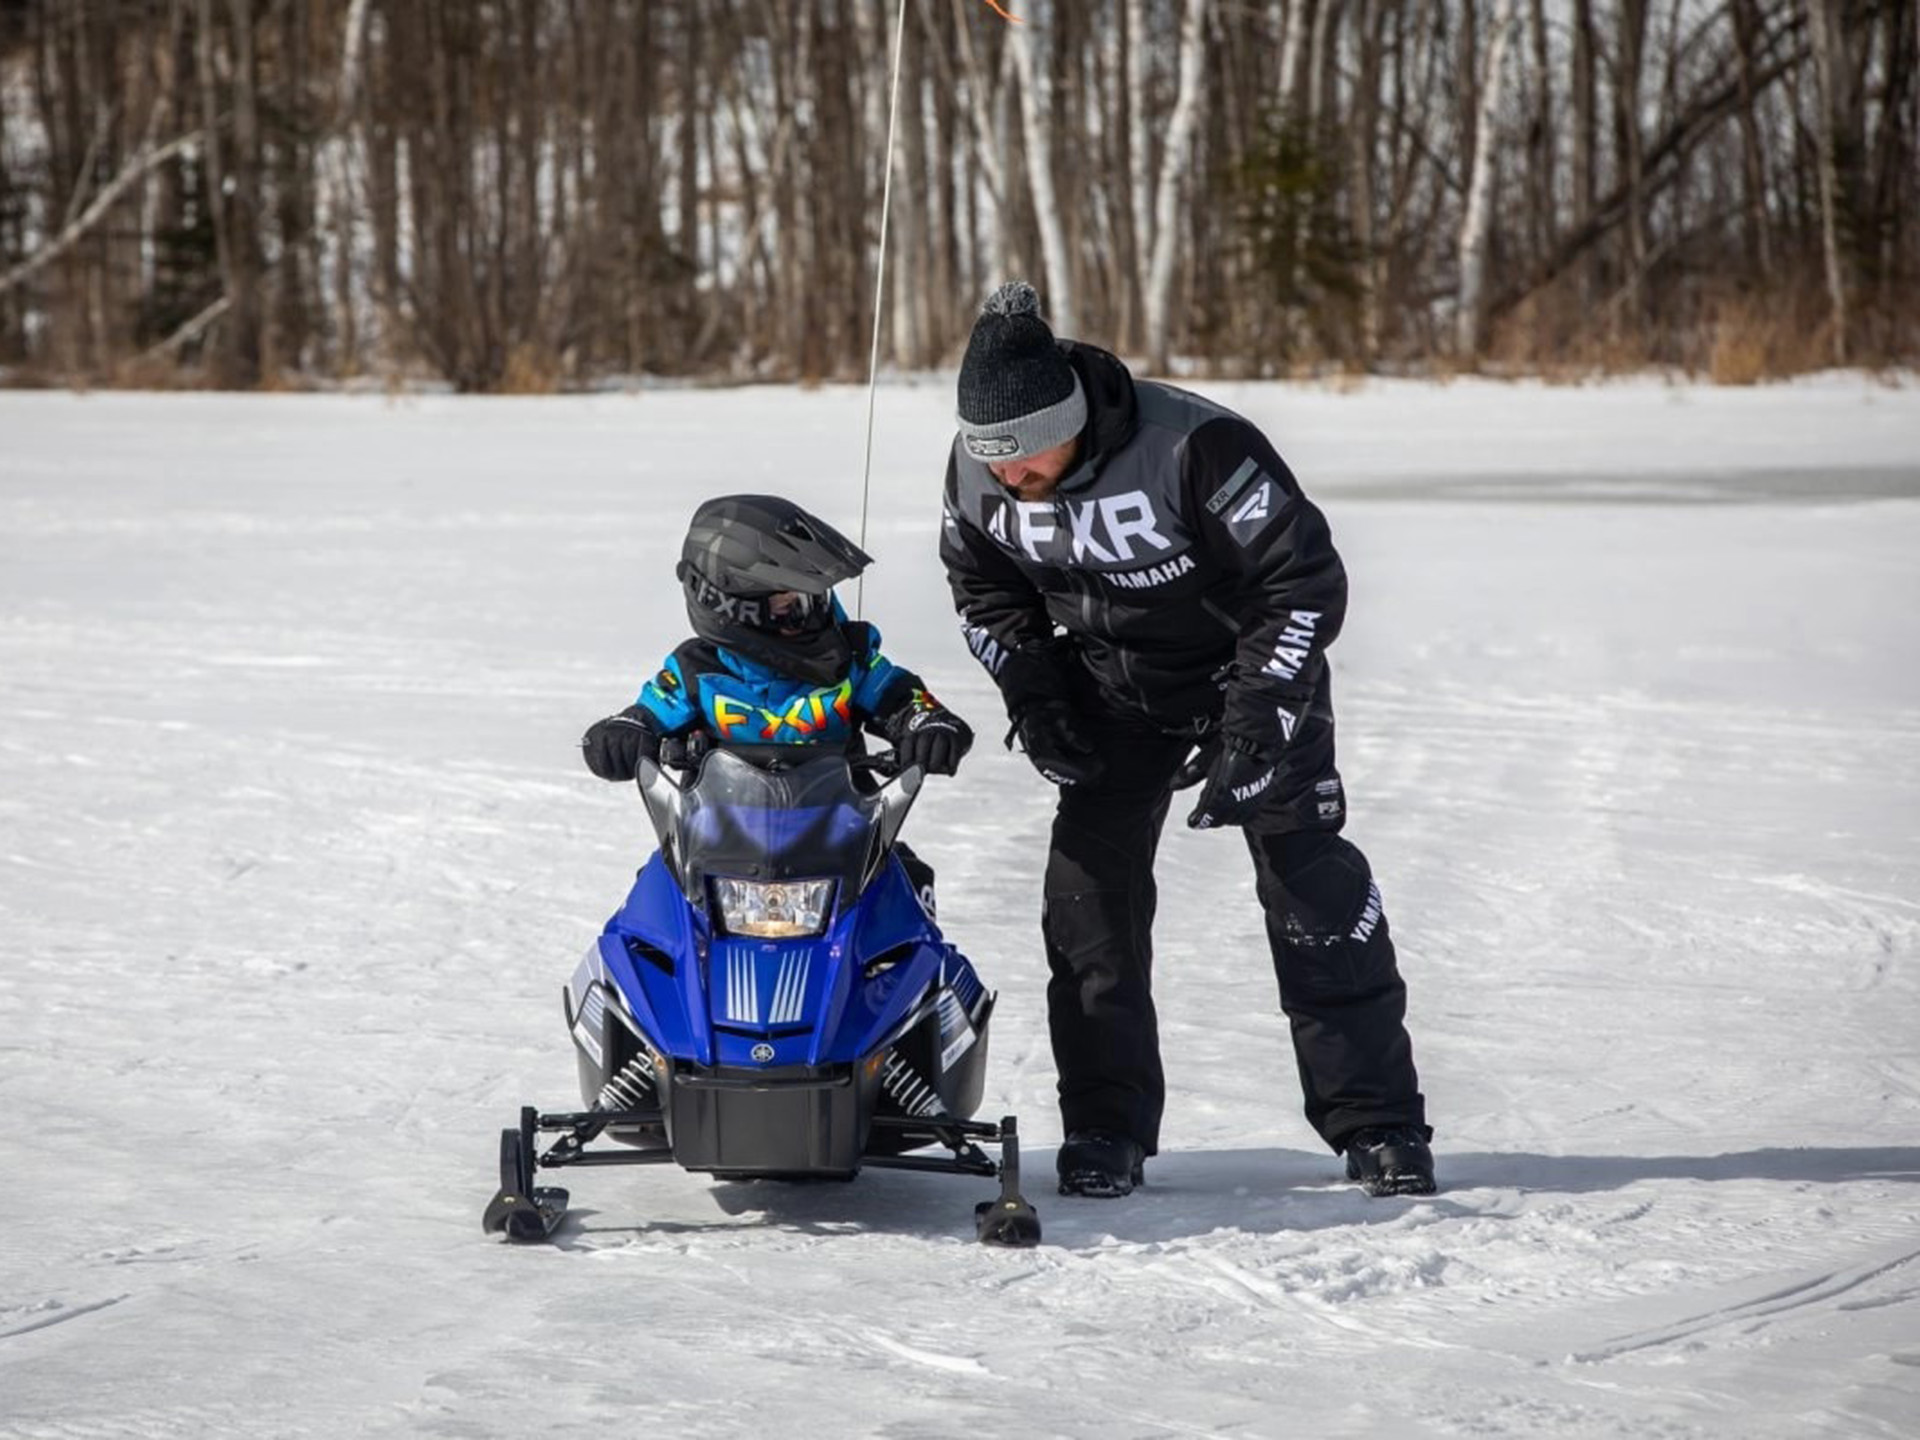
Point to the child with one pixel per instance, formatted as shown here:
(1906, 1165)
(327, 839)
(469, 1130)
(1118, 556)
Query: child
(776, 662)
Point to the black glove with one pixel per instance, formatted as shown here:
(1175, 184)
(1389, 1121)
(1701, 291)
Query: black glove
(1050, 735)
(1237, 784)
(615, 746)
(931, 736)
(1199, 764)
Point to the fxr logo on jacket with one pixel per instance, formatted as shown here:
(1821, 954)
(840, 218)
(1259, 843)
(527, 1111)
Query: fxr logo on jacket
(804, 717)
(1102, 529)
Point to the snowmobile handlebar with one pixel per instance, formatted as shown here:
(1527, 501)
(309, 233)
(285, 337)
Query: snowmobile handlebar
(680, 757)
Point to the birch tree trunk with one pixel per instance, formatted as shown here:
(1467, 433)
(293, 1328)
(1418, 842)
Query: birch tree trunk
(943, 170)
(1540, 140)
(1292, 47)
(213, 153)
(342, 155)
(1036, 127)
(1475, 224)
(1362, 124)
(1746, 26)
(1139, 144)
(1631, 298)
(1586, 119)
(913, 264)
(898, 253)
(1173, 157)
(246, 343)
(987, 97)
(1826, 84)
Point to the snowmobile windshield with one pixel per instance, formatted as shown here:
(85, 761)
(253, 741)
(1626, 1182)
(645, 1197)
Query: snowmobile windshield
(754, 829)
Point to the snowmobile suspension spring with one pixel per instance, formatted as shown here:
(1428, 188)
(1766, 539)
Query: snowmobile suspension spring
(909, 1090)
(631, 1089)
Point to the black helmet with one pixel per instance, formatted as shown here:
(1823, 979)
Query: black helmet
(742, 551)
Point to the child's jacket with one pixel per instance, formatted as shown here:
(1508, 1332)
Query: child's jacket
(739, 701)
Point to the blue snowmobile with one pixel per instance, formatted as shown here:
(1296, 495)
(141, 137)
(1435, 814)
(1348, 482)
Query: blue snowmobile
(773, 1001)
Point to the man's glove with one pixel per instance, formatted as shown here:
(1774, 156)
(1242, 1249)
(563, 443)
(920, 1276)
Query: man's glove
(927, 734)
(1050, 735)
(615, 746)
(1238, 780)
(1199, 764)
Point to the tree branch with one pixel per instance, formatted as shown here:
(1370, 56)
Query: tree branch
(1663, 164)
(136, 169)
(189, 332)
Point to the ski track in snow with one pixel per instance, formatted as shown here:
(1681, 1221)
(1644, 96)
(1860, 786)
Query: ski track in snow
(295, 856)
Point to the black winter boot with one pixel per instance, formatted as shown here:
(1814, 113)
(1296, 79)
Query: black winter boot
(1100, 1164)
(1390, 1160)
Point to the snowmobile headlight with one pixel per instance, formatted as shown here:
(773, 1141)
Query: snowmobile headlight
(775, 909)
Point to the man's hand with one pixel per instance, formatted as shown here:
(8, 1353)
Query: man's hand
(932, 737)
(614, 747)
(1050, 735)
(1237, 784)
(1198, 765)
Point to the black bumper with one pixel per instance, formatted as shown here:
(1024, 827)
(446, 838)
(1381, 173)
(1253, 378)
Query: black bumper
(791, 1122)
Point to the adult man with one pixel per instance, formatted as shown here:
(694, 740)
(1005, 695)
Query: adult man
(1138, 570)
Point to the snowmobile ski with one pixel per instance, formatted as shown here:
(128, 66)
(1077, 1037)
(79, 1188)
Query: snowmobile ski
(521, 1210)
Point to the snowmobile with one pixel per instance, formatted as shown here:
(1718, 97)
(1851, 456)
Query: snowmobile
(773, 1000)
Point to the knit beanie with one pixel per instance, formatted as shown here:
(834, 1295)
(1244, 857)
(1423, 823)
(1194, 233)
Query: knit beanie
(1018, 394)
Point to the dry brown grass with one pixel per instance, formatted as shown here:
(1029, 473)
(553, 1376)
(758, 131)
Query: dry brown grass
(1557, 337)
(530, 370)
(1743, 339)
(1752, 339)
(149, 372)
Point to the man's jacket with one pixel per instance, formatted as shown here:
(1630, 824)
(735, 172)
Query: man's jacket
(1188, 572)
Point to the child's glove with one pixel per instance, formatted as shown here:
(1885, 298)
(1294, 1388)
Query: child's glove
(614, 747)
(927, 734)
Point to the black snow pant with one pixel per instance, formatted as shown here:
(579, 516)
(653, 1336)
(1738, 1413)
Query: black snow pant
(1340, 987)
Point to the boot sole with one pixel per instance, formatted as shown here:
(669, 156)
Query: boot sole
(1383, 1185)
(1395, 1171)
(1098, 1184)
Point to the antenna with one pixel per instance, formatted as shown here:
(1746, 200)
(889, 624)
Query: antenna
(879, 296)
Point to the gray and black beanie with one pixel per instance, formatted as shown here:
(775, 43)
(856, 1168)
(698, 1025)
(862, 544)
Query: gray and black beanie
(1018, 394)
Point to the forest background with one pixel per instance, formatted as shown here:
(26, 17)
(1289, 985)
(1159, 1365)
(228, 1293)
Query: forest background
(530, 195)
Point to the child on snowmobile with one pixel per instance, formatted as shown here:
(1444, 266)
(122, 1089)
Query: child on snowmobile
(775, 662)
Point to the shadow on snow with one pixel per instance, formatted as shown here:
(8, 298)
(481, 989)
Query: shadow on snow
(1189, 1193)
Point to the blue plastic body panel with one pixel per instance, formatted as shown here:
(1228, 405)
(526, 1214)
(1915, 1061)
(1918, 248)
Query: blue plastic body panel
(730, 998)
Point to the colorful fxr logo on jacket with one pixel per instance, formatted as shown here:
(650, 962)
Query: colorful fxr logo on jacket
(803, 719)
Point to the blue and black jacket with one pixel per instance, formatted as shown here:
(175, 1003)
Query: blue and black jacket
(736, 701)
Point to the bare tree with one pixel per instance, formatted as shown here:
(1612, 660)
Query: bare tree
(1037, 130)
(1476, 221)
(1173, 162)
(531, 193)
(1820, 31)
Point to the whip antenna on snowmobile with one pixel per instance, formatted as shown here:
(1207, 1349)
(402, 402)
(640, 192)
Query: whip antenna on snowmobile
(880, 276)
(879, 294)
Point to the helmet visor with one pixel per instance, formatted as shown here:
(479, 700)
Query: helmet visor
(793, 612)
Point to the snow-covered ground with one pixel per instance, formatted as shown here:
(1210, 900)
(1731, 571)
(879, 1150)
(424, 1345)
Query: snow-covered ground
(296, 851)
